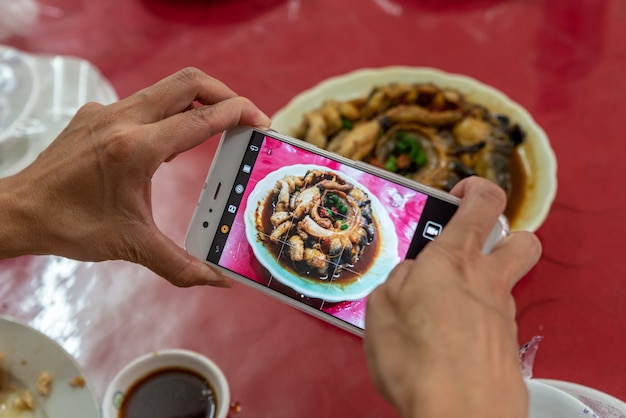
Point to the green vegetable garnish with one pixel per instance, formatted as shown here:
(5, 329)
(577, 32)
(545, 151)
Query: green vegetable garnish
(409, 144)
(402, 147)
(391, 164)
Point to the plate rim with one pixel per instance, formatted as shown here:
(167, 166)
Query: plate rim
(88, 388)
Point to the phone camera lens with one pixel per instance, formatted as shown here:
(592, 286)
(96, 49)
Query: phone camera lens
(205, 224)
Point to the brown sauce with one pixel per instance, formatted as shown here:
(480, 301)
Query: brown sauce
(519, 187)
(170, 393)
(347, 275)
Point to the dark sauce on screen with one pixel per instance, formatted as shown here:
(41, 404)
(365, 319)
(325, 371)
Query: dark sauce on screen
(347, 275)
(170, 393)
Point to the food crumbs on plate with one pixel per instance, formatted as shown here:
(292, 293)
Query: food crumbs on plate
(77, 382)
(44, 383)
(25, 401)
(1, 372)
(14, 402)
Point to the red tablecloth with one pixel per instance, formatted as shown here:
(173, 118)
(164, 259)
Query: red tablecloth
(564, 61)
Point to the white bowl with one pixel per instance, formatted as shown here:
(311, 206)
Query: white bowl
(149, 363)
(537, 154)
(27, 353)
(549, 402)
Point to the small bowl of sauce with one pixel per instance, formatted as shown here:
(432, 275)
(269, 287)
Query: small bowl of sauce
(167, 384)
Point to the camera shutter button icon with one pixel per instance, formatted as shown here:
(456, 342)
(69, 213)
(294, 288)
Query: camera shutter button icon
(432, 230)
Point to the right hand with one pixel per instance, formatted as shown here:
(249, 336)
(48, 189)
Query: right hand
(440, 334)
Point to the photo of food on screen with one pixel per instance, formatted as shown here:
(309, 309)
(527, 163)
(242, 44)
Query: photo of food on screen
(319, 231)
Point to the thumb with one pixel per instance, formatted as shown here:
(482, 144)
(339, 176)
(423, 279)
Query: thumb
(173, 263)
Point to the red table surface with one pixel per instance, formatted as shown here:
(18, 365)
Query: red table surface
(564, 61)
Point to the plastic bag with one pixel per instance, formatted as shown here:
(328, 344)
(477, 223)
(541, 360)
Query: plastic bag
(527, 353)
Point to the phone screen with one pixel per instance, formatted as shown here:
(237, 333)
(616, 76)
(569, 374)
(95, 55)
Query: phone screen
(318, 231)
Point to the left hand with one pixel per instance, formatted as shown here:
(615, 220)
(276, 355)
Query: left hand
(88, 195)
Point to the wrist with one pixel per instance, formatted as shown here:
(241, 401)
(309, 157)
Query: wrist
(18, 222)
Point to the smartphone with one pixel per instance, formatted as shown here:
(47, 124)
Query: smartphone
(309, 227)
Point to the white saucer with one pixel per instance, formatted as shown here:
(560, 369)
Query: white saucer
(546, 401)
(64, 84)
(606, 406)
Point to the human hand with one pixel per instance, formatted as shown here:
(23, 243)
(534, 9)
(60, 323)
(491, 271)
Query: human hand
(440, 333)
(88, 195)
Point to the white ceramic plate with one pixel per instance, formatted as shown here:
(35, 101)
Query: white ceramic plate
(64, 84)
(549, 402)
(27, 353)
(606, 406)
(386, 259)
(537, 154)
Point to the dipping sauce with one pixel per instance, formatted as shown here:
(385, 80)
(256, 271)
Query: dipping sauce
(170, 393)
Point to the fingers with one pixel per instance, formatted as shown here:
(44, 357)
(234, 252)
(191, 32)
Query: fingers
(516, 254)
(176, 93)
(482, 202)
(186, 130)
(174, 264)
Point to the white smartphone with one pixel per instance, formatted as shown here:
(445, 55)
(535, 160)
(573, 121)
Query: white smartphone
(309, 227)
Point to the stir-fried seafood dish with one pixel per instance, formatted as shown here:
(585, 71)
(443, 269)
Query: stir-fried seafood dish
(318, 225)
(430, 134)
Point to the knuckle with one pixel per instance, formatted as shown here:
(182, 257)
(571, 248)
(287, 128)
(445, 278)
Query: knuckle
(119, 146)
(203, 114)
(142, 97)
(89, 112)
(89, 107)
(189, 74)
(100, 117)
(243, 101)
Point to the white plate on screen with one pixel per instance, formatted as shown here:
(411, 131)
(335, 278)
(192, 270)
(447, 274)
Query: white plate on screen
(386, 258)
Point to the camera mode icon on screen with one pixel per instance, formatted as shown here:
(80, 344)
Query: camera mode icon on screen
(432, 230)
